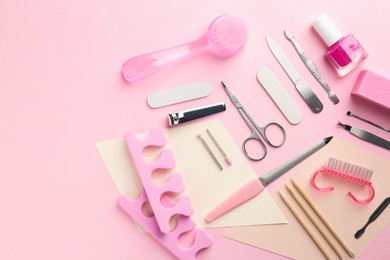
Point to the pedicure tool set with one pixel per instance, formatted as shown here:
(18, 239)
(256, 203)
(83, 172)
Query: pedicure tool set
(225, 37)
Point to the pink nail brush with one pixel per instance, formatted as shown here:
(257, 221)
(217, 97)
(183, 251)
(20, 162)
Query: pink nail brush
(349, 172)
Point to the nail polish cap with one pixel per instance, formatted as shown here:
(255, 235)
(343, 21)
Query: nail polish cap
(327, 30)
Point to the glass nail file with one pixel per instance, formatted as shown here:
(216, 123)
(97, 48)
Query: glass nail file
(301, 85)
(255, 186)
(312, 68)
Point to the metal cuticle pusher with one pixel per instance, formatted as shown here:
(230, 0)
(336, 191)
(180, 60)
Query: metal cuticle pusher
(312, 67)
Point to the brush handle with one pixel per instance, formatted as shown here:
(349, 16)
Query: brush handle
(324, 169)
(144, 65)
(313, 180)
(368, 199)
(245, 193)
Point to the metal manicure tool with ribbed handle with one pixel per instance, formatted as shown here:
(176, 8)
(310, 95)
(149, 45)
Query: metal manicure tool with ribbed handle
(312, 67)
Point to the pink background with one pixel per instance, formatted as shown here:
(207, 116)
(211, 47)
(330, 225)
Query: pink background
(61, 92)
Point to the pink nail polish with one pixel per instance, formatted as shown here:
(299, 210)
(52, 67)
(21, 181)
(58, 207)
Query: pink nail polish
(345, 52)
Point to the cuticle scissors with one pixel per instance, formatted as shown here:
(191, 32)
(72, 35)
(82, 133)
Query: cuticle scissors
(255, 128)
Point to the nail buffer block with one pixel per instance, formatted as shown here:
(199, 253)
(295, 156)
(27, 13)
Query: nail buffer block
(279, 95)
(373, 87)
(180, 94)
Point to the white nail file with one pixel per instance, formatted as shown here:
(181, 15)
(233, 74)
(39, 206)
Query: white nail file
(279, 95)
(180, 94)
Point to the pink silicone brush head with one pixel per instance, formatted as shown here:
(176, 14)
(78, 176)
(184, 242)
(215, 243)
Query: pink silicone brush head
(226, 36)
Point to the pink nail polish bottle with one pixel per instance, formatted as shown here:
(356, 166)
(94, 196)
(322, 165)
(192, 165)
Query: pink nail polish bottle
(345, 52)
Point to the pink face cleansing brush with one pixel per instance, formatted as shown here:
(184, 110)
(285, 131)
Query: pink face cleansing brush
(225, 36)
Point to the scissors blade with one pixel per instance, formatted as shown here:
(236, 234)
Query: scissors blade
(233, 98)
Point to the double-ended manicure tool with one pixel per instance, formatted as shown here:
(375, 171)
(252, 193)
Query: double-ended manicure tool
(312, 68)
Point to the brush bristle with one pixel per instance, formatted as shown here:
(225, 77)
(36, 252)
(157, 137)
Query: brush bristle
(228, 35)
(349, 169)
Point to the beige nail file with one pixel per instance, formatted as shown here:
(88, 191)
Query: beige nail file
(179, 94)
(279, 95)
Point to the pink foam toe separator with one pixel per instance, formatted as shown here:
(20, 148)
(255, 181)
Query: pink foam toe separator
(163, 207)
(169, 240)
(155, 192)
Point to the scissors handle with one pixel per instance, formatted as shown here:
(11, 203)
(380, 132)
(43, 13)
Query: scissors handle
(264, 131)
(254, 138)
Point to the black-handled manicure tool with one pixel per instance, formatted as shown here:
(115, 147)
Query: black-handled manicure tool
(373, 216)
